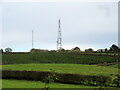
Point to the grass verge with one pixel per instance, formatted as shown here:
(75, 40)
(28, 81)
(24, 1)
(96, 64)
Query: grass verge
(37, 84)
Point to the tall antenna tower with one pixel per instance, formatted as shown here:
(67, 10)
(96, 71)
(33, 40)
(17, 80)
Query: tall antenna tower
(59, 39)
(32, 38)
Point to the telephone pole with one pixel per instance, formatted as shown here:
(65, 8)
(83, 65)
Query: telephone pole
(59, 39)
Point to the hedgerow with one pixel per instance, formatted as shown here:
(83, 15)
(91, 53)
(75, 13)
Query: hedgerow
(97, 80)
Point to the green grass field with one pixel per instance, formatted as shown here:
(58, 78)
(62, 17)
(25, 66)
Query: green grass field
(56, 57)
(115, 66)
(37, 84)
(64, 68)
(74, 63)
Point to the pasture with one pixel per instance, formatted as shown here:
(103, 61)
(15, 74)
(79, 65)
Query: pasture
(57, 57)
(59, 62)
(115, 66)
(64, 68)
(38, 84)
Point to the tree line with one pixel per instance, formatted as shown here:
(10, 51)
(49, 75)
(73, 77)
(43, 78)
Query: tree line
(113, 49)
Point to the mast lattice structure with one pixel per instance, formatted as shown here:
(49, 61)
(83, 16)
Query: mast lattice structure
(59, 39)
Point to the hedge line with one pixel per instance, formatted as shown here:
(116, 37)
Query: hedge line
(62, 78)
(76, 53)
(84, 79)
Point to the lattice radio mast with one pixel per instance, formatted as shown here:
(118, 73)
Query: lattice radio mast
(59, 39)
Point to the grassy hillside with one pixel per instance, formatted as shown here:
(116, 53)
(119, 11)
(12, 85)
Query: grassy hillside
(115, 66)
(64, 68)
(37, 84)
(56, 57)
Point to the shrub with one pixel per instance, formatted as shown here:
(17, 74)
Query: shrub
(57, 77)
(117, 81)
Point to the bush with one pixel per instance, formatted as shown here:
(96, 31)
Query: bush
(62, 78)
(117, 81)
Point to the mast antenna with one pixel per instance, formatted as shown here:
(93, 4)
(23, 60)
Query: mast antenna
(59, 39)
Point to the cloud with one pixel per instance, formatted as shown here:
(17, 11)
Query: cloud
(0, 25)
(82, 24)
(60, 0)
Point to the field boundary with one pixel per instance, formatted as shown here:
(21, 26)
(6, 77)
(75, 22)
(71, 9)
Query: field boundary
(90, 80)
(79, 53)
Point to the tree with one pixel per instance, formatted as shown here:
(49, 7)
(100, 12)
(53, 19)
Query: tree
(49, 78)
(32, 50)
(90, 50)
(1, 50)
(106, 50)
(8, 50)
(77, 49)
(62, 50)
(114, 48)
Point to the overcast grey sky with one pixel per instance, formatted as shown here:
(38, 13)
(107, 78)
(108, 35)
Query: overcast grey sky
(86, 25)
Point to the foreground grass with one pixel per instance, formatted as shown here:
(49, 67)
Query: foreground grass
(115, 66)
(37, 84)
(64, 68)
